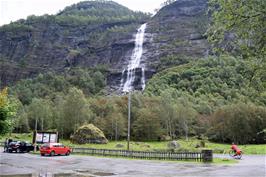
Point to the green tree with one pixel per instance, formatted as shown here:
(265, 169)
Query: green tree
(40, 114)
(167, 111)
(75, 112)
(21, 124)
(240, 123)
(3, 111)
(7, 111)
(240, 24)
(99, 80)
(147, 125)
(185, 116)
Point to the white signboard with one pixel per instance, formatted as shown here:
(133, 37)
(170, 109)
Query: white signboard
(53, 138)
(46, 137)
(39, 137)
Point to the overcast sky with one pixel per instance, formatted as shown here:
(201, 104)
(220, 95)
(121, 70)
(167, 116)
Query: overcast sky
(12, 10)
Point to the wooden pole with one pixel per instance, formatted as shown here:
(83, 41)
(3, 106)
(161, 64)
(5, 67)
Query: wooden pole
(128, 121)
(36, 124)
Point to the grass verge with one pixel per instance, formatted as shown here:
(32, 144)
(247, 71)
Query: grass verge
(189, 145)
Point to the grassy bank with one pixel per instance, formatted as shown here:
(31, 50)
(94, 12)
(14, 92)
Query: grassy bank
(189, 145)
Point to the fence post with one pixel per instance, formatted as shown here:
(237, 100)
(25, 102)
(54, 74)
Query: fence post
(207, 155)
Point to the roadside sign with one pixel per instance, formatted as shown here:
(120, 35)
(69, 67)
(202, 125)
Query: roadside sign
(45, 137)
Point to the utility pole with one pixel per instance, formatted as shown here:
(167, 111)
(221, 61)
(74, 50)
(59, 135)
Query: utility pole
(128, 121)
(36, 124)
(12, 125)
(116, 130)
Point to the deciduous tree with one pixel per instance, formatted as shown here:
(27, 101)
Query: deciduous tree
(240, 24)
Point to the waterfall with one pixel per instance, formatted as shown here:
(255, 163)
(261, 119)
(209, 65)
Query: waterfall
(134, 63)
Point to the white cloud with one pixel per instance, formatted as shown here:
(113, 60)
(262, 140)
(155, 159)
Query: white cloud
(12, 10)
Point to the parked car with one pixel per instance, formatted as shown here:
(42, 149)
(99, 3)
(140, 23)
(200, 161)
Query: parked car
(54, 149)
(19, 146)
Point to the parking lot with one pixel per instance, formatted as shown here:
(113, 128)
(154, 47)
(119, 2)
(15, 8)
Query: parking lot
(12, 164)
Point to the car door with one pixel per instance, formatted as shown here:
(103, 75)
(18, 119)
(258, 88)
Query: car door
(62, 149)
(56, 149)
(29, 147)
(22, 146)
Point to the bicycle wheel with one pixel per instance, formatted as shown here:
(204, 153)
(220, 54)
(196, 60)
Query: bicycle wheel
(238, 156)
(232, 153)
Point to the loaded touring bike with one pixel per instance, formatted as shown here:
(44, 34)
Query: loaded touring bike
(236, 155)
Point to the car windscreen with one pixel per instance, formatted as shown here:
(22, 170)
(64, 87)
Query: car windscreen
(45, 145)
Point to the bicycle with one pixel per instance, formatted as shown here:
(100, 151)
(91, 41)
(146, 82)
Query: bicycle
(235, 155)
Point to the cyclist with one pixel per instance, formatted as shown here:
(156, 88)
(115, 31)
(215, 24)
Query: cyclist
(235, 149)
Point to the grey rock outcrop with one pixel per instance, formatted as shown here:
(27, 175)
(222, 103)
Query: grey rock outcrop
(177, 29)
(173, 145)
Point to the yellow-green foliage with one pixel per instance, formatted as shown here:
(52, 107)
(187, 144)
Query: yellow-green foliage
(6, 111)
(3, 97)
(89, 134)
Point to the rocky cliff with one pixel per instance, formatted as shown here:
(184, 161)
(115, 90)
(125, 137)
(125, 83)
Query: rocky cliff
(101, 33)
(177, 30)
(173, 36)
(85, 34)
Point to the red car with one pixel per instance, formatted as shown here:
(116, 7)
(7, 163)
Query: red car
(54, 149)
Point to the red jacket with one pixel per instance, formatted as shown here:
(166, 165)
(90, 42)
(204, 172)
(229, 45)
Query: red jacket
(234, 147)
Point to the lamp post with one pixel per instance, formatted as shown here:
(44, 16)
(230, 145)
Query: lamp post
(128, 120)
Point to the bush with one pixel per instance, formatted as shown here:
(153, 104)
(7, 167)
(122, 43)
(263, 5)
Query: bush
(89, 134)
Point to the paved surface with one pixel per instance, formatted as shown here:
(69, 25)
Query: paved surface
(74, 165)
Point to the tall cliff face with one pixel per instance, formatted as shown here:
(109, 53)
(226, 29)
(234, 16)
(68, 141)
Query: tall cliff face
(101, 33)
(85, 34)
(178, 30)
(173, 36)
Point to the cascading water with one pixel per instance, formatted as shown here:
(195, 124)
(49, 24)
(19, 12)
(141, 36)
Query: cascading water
(134, 63)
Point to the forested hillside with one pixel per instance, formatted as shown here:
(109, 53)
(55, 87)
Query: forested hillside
(209, 79)
(214, 81)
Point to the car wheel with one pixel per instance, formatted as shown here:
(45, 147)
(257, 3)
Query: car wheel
(67, 153)
(52, 153)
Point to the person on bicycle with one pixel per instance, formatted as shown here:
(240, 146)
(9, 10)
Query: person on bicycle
(235, 149)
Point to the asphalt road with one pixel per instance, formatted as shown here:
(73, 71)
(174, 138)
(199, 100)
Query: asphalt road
(35, 165)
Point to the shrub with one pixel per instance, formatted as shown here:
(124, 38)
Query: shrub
(89, 134)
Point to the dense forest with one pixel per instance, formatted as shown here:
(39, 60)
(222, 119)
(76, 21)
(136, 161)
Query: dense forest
(220, 97)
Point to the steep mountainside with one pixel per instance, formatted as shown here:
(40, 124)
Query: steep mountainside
(178, 30)
(175, 35)
(94, 33)
(85, 34)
